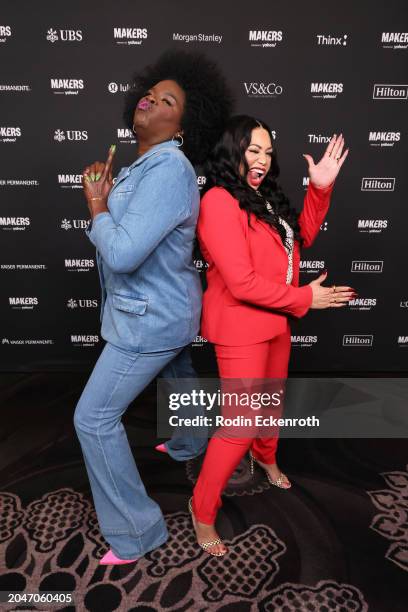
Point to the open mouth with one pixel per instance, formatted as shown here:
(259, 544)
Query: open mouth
(256, 176)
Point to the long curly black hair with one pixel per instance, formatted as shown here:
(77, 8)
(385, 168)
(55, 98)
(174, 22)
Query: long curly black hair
(208, 103)
(223, 170)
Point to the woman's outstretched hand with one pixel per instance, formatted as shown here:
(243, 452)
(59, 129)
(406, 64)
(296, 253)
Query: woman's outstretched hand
(97, 182)
(325, 171)
(330, 297)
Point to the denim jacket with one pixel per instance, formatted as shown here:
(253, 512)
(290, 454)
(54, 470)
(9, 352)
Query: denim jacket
(151, 292)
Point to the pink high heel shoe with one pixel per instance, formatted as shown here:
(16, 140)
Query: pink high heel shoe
(161, 448)
(110, 558)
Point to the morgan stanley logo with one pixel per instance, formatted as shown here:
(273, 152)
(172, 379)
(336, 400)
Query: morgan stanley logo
(358, 340)
(387, 91)
(367, 266)
(377, 183)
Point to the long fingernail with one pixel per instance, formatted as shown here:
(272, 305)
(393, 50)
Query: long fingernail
(98, 176)
(86, 177)
(92, 176)
(113, 148)
(324, 271)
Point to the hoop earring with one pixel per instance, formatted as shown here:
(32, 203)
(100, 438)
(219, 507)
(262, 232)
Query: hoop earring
(133, 129)
(178, 143)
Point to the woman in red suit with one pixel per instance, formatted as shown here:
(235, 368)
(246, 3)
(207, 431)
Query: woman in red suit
(251, 238)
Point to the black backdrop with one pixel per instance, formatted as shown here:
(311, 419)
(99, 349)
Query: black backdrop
(308, 68)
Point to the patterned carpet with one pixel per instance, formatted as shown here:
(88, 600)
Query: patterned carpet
(337, 541)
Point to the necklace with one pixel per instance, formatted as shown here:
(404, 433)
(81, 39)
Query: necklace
(289, 239)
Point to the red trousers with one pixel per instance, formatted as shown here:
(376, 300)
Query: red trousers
(267, 359)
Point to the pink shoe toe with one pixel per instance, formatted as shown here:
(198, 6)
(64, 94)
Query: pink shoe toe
(110, 558)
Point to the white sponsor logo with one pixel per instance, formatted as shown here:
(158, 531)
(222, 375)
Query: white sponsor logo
(303, 341)
(383, 91)
(265, 38)
(324, 226)
(404, 304)
(318, 139)
(9, 134)
(68, 224)
(358, 340)
(201, 38)
(380, 183)
(23, 267)
(263, 90)
(14, 87)
(383, 139)
(79, 265)
(19, 183)
(305, 182)
(125, 136)
(81, 303)
(332, 41)
(311, 265)
(64, 35)
(26, 341)
(200, 264)
(14, 223)
(69, 87)
(76, 135)
(70, 181)
(372, 226)
(326, 90)
(84, 340)
(115, 87)
(402, 340)
(394, 40)
(199, 341)
(362, 303)
(129, 36)
(5, 33)
(201, 181)
(367, 266)
(23, 303)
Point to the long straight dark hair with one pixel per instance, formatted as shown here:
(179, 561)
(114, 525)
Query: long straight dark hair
(222, 169)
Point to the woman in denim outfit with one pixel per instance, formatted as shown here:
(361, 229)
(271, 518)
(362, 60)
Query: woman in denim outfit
(143, 229)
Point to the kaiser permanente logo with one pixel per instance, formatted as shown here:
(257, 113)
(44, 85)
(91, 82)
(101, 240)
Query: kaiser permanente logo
(377, 183)
(68, 224)
(129, 36)
(5, 33)
(68, 87)
(372, 226)
(125, 136)
(265, 38)
(23, 303)
(9, 134)
(64, 35)
(19, 183)
(326, 91)
(118, 87)
(394, 40)
(362, 304)
(23, 267)
(14, 223)
(262, 90)
(84, 340)
(375, 267)
(70, 181)
(311, 266)
(73, 135)
(200, 38)
(79, 265)
(303, 341)
(328, 40)
(6, 341)
(383, 139)
(390, 91)
(358, 339)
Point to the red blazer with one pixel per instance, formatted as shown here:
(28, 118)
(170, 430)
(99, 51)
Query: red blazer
(247, 299)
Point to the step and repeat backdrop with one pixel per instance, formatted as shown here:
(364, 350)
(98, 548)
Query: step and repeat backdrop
(308, 68)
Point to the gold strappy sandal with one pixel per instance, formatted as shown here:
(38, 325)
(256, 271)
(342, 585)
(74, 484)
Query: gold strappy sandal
(205, 545)
(276, 483)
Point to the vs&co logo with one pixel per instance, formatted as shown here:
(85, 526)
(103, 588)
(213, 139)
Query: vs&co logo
(64, 35)
(263, 90)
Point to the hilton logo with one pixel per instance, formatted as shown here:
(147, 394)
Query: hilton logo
(367, 266)
(373, 183)
(358, 340)
(390, 92)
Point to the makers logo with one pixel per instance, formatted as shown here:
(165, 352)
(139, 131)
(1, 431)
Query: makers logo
(125, 136)
(305, 182)
(263, 90)
(14, 223)
(404, 304)
(68, 87)
(201, 181)
(81, 303)
(265, 38)
(362, 303)
(68, 224)
(84, 340)
(10, 134)
(200, 264)
(23, 303)
(377, 183)
(129, 36)
(311, 266)
(64, 35)
(390, 92)
(5, 33)
(318, 139)
(372, 226)
(70, 181)
(76, 135)
(402, 340)
(324, 226)
(200, 38)
(358, 340)
(199, 341)
(79, 265)
(394, 40)
(332, 41)
(326, 90)
(383, 139)
(375, 267)
(303, 341)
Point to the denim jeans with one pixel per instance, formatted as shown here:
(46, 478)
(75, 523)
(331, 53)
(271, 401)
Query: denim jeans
(128, 518)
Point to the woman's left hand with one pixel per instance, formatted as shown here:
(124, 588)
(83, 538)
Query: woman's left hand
(325, 171)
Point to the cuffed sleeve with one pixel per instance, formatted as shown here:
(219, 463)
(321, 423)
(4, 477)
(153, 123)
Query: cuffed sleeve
(315, 207)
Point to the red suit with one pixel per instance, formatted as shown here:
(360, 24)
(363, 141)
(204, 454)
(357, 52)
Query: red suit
(245, 315)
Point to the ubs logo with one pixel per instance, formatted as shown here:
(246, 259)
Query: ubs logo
(64, 35)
